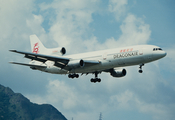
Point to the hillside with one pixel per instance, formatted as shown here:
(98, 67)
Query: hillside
(14, 106)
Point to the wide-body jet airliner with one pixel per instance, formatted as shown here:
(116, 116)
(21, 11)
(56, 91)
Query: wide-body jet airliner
(112, 60)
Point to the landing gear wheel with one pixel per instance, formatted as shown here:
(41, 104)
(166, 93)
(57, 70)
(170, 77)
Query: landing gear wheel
(140, 71)
(76, 75)
(99, 80)
(73, 76)
(94, 80)
(69, 76)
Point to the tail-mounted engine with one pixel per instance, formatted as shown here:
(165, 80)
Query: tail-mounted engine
(58, 51)
(63, 51)
(76, 64)
(117, 73)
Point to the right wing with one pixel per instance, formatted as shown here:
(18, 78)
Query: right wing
(59, 61)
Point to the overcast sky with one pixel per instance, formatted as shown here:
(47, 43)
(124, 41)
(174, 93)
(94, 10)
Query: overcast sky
(88, 25)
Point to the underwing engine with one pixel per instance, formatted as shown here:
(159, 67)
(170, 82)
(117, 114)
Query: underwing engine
(117, 73)
(76, 64)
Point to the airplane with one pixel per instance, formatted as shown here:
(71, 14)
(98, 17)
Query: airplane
(111, 61)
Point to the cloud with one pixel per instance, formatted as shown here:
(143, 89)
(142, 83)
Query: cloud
(134, 32)
(34, 23)
(128, 100)
(71, 26)
(71, 22)
(67, 99)
(17, 23)
(118, 7)
(12, 13)
(82, 99)
(170, 57)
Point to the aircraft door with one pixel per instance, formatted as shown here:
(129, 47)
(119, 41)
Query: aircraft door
(147, 54)
(141, 52)
(104, 56)
(107, 59)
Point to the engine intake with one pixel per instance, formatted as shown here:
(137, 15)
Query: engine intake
(63, 51)
(118, 73)
(76, 63)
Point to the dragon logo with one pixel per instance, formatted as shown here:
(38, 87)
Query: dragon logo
(36, 48)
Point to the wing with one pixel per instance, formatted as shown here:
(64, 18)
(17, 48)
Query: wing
(59, 61)
(31, 65)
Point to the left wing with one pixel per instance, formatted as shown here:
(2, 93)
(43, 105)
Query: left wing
(59, 61)
(30, 65)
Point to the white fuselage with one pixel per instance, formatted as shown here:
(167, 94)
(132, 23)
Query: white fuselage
(112, 58)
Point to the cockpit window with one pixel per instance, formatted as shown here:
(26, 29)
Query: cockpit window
(155, 49)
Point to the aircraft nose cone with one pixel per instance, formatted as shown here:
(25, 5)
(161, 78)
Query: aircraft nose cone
(159, 54)
(164, 54)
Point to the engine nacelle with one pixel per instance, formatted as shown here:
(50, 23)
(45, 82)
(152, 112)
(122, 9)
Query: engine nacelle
(118, 73)
(76, 63)
(58, 51)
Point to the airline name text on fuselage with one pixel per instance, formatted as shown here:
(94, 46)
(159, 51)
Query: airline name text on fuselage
(126, 54)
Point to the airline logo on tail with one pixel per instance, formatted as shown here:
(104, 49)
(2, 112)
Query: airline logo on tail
(36, 48)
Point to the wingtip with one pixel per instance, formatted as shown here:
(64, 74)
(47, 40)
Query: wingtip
(12, 50)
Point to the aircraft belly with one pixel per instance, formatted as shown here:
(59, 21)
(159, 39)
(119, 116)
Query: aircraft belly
(90, 69)
(105, 64)
(121, 62)
(54, 70)
(134, 61)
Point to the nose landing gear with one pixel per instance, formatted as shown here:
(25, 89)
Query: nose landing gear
(141, 71)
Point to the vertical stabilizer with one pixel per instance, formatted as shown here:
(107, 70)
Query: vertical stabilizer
(38, 48)
(36, 45)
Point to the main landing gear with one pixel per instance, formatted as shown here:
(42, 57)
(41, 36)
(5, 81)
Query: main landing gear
(73, 76)
(141, 71)
(96, 79)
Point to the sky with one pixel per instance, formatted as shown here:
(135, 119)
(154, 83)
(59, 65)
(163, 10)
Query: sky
(90, 25)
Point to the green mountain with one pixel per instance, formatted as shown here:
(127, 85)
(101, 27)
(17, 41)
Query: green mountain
(14, 106)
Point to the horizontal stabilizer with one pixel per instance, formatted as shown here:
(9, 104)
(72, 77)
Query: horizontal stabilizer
(31, 65)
